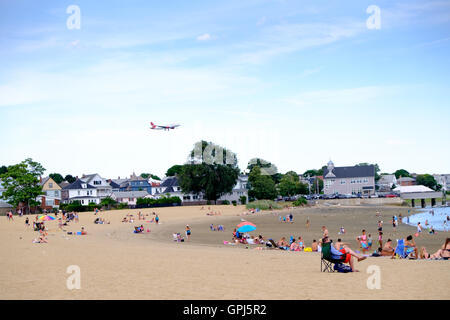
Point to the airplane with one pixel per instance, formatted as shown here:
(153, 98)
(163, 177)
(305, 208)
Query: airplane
(156, 127)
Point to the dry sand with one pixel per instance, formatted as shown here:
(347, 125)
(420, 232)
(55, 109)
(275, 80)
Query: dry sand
(115, 263)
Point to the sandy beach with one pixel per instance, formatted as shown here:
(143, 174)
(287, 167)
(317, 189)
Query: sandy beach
(115, 263)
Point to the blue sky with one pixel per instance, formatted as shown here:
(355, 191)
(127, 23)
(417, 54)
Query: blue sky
(293, 82)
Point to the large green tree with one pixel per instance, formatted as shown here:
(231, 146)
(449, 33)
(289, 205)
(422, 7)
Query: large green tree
(261, 185)
(401, 173)
(56, 177)
(3, 169)
(428, 181)
(173, 170)
(21, 182)
(70, 179)
(211, 170)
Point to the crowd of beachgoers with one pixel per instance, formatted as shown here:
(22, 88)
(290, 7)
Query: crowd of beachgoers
(369, 246)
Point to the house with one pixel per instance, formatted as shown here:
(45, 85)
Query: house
(239, 190)
(406, 181)
(4, 206)
(443, 180)
(48, 202)
(104, 189)
(83, 192)
(349, 180)
(386, 182)
(171, 187)
(115, 187)
(50, 188)
(129, 197)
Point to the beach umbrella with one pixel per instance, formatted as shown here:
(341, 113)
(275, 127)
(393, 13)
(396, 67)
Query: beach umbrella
(46, 218)
(245, 227)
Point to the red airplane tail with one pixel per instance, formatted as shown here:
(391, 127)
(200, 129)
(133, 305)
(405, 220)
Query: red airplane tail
(153, 126)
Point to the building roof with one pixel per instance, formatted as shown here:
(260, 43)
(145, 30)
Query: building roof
(130, 194)
(77, 185)
(387, 178)
(170, 182)
(4, 204)
(44, 180)
(114, 185)
(64, 184)
(404, 179)
(351, 172)
(406, 189)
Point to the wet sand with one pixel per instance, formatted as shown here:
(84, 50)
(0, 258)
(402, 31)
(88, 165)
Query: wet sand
(115, 263)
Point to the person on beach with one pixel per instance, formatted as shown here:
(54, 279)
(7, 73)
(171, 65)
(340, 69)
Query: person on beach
(301, 244)
(380, 226)
(314, 246)
(346, 254)
(156, 219)
(307, 223)
(411, 248)
(188, 232)
(419, 228)
(341, 231)
(393, 222)
(369, 241)
(443, 253)
(362, 239)
(339, 244)
(380, 239)
(445, 225)
(294, 246)
(324, 232)
(387, 249)
(27, 222)
(282, 244)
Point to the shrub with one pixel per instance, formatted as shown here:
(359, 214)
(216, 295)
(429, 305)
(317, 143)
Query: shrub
(243, 199)
(300, 202)
(234, 203)
(225, 202)
(263, 205)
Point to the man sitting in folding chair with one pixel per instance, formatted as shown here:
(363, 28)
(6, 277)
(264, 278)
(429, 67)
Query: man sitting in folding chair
(330, 256)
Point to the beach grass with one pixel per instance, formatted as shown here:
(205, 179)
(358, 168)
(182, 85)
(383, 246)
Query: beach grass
(264, 205)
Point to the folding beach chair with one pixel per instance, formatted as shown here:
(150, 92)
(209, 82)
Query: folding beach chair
(274, 245)
(326, 262)
(400, 250)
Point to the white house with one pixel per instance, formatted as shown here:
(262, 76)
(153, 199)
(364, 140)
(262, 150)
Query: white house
(83, 192)
(171, 187)
(103, 187)
(386, 182)
(129, 197)
(239, 190)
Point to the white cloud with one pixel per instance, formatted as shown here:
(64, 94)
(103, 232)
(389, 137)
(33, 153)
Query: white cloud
(204, 37)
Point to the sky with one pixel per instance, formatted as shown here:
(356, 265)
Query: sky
(296, 83)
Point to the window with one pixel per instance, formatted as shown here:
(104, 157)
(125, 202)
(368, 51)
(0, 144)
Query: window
(50, 185)
(342, 181)
(97, 182)
(78, 192)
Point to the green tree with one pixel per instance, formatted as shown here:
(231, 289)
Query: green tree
(3, 169)
(205, 174)
(261, 186)
(174, 170)
(427, 180)
(290, 185)
(401, 173)
(21, 182)
(70, 179)
(56, 177)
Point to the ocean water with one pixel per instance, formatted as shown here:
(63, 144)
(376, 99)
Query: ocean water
(437, 221)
